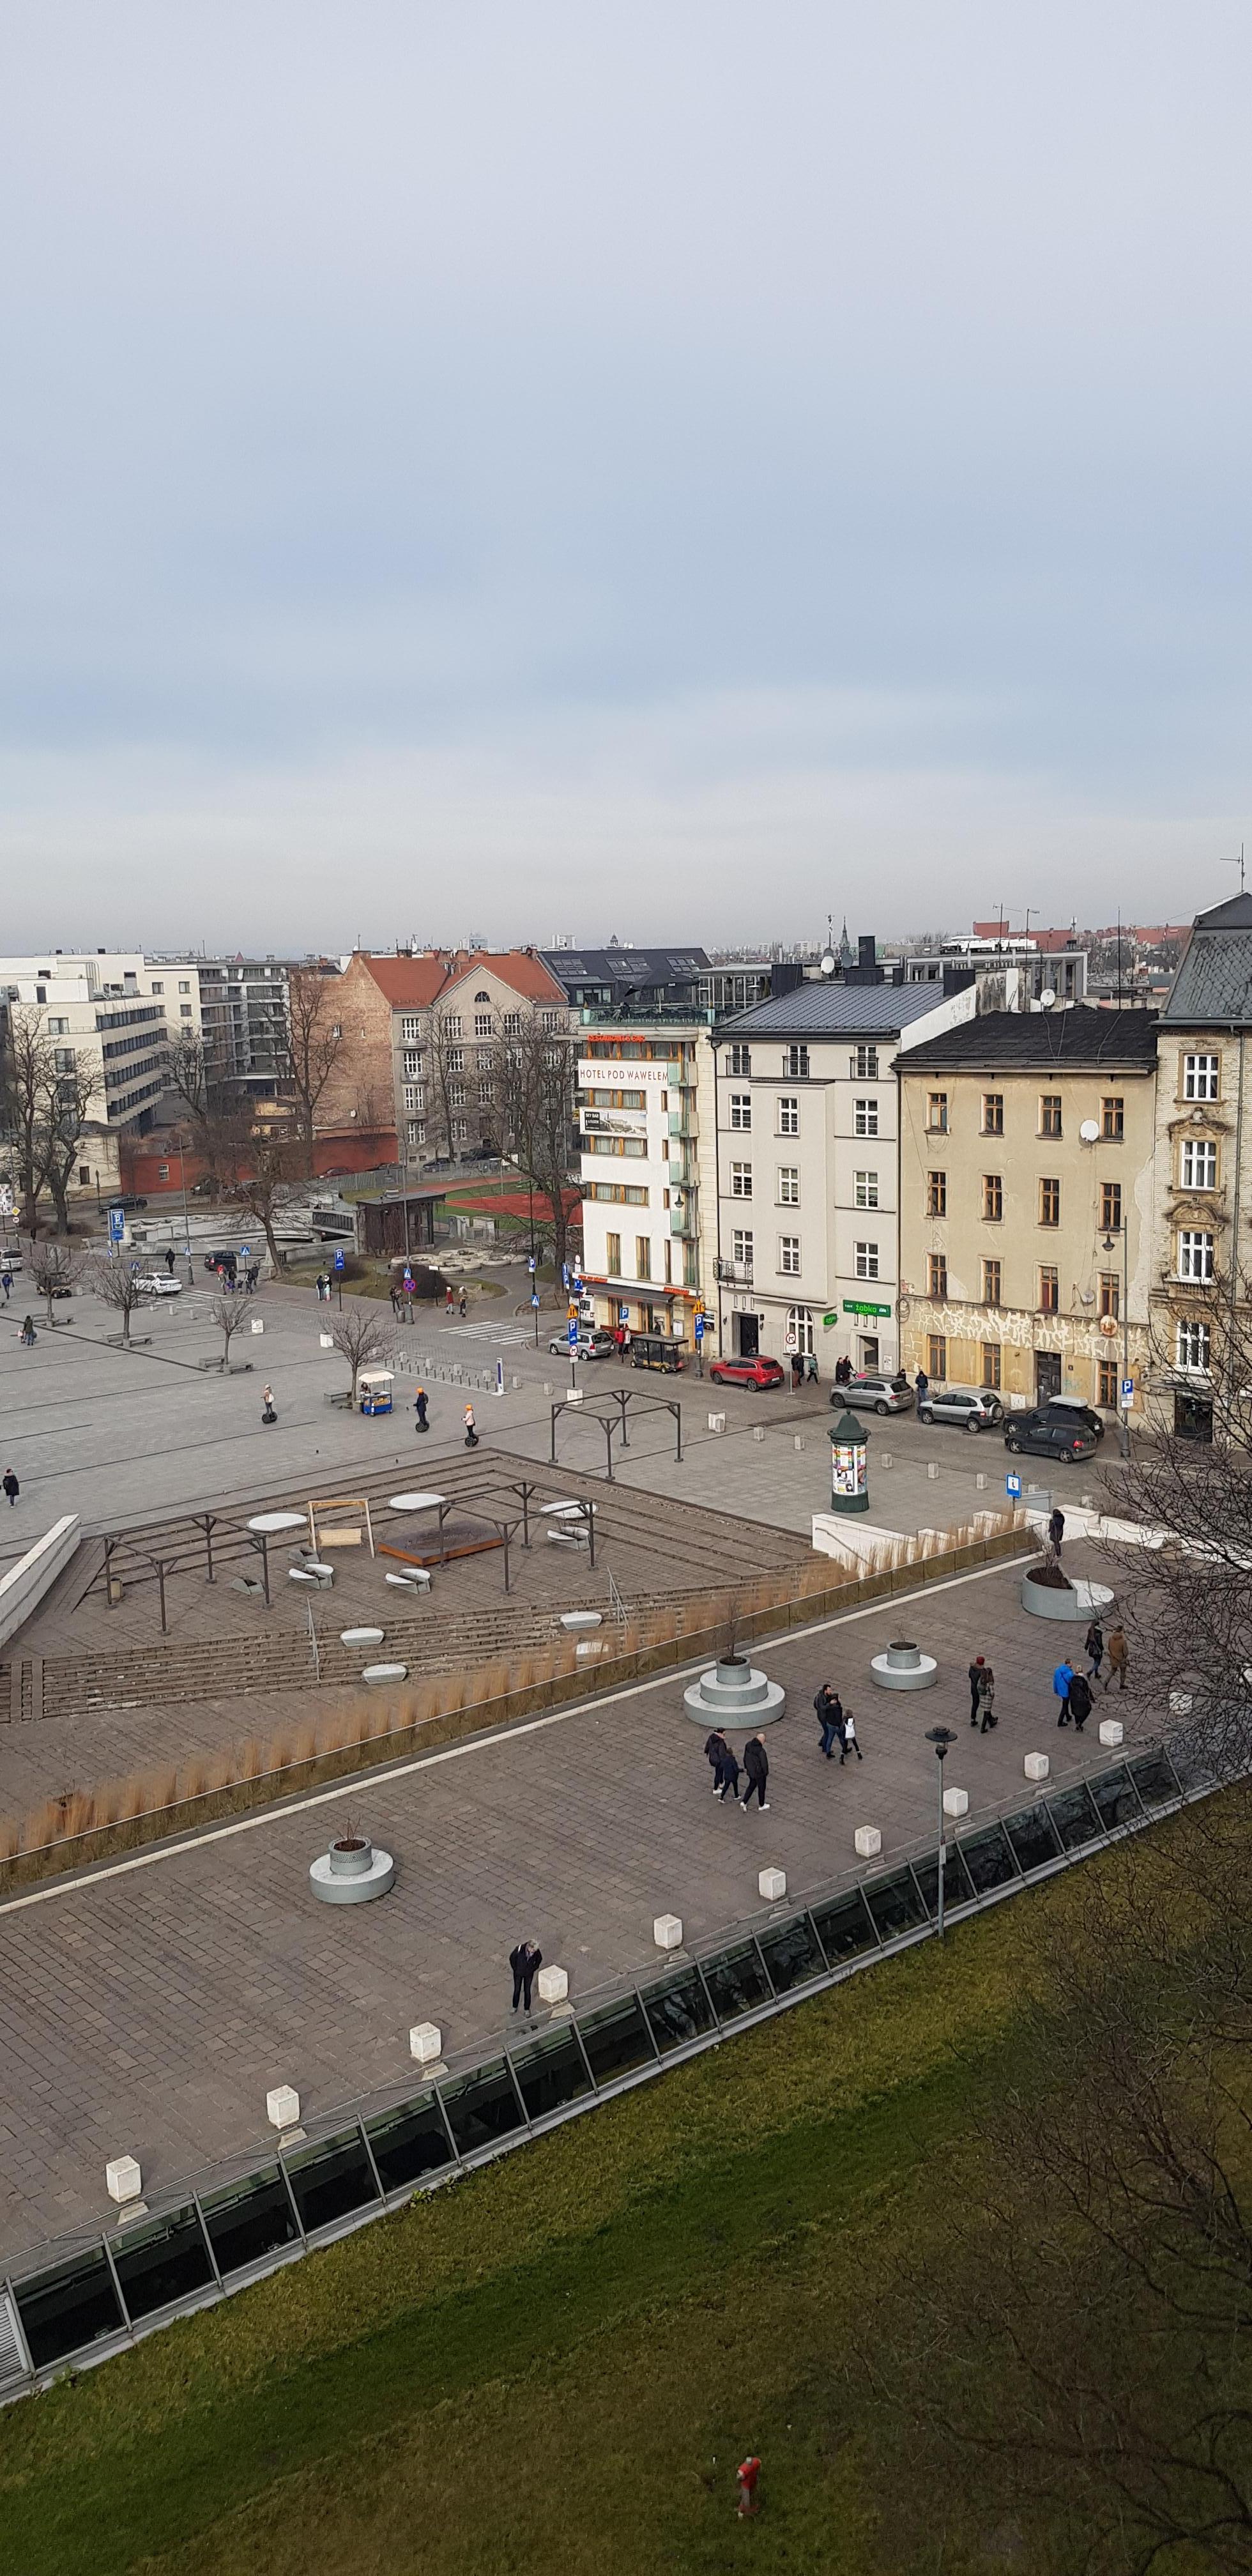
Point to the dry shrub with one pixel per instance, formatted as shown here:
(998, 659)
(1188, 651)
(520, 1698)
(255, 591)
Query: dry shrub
(193, 1780)
(10, 1841)
(249, 1760)
(278, 1754)
(130, 1799)
(80, 1813)
(43, 1827)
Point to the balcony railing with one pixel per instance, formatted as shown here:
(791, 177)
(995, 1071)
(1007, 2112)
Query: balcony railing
(733, 1274)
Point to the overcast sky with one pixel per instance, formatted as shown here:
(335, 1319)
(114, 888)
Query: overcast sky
(677, 468)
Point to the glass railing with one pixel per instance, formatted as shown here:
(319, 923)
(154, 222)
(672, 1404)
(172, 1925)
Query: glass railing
(99, 2294)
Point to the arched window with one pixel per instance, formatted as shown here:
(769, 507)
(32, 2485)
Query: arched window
(800, 1322)
(482, 997)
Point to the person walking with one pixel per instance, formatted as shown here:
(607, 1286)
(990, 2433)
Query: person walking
(169, 1261)
(756, 1765)
(419, 1406)
(987, 1700)
(11, 1485)
(395, 1301)
(848, 1739)
(462, 1307)
(6, 1283)
(714, 1754)
(748, 2474)
(1093, 1648)
(471, 1430)
(1119, 1657)
(829, 1713)
(976, 1671)
(267, 1405)
(27, 1334)
(797, 1372)
(1056, 1531)
(1079, 1701)
(728, 1775)
(921, 1385)
(525, 1961)
(1061, 1681)
(447, 1303)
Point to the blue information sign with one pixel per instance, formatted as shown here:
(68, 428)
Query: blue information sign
(1128, 1392)
(1013, 1485)
(117, 1225)
(339, 1256)
(534, 1301)
(573, 1335)
(699, 1328)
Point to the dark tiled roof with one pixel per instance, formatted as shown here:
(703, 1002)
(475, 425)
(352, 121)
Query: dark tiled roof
(835, 1010)
(1213, 985)
(1045, 1040)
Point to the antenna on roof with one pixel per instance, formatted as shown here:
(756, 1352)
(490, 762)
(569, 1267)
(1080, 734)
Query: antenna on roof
(1236, 863)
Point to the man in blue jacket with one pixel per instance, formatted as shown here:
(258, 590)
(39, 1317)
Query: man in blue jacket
(1061, 1680)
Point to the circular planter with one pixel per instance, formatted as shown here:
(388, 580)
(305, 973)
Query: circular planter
(733, 1693)
(352, 1872)
(903, 1667)
(1080, 1600)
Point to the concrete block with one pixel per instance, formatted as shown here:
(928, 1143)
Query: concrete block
(887, 1459)
(327, 1341)
(798, 1441)
(667, 1931)
(426, 2042)
(123, 2180)
(282, 2107)
(868, 1842)
(931, 1468)
(758, 1431)
(547, 1386)
(573, 1395)
(717, 1422)
(1037, 1766)
(1111, 1730)
(515, 1382)
(772, 1884)
(553, 1985)
(982, 1481)
(1181, 1703)
(258, 1323)
(956, 1802)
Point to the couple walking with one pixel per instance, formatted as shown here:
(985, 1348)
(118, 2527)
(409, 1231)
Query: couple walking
(837, 1723)
(724, 1765)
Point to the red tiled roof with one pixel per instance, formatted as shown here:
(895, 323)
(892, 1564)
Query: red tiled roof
(411, 983)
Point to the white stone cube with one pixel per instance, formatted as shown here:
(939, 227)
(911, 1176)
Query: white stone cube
(1111, 1730)
(772, 1884)
(982, 1481)
(799, 1441)
(717, 1422)
(886, 1459)
(258, 1323)
(1181, 1703)
(868, 1841)
(426, 2042)
(1037, 1766)
(932, 1469)
(667, 1931)
(282, 2107)
(122, 2179)
(956, 1802)
(327, 1341)
(758, 1431)
(553, 1985)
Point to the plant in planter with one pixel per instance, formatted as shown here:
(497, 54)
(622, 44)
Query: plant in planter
(1049, 1576)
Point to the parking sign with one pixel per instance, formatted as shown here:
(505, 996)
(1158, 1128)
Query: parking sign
(339, 1256)
(1012, 1487)
(1128, 1393)
(117, 1225)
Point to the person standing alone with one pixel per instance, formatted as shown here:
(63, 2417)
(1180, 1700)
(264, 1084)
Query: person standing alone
(419, 1407)
(756, 1765)
(1119, 1657)
(11, 1485)
(525, 1961)
(976, 1671)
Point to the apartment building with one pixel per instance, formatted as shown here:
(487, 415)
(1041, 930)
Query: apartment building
(1011, 972)
(641, 1087)
(106, 1015)
(419, 1061)
(1201, 1252)
(1026, 1144)
(800, 1230)
(241, 1010)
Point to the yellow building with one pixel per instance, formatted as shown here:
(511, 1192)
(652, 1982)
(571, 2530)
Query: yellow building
(1026, 1144)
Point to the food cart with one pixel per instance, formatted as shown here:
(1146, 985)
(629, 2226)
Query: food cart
(374, 1390)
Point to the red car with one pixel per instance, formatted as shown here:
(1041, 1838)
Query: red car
(757, 1372)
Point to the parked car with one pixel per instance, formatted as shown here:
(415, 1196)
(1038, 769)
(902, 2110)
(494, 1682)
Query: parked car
(221, 1261)
(1048, 1435)
(128, 1205)
(158, 1283)
(1067, 1408)
(594, 1344)
(656, 1351)
(755, 1372)
(874, 1388)
(974, 1408)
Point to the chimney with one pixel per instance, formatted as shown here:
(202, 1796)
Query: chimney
(866, 970)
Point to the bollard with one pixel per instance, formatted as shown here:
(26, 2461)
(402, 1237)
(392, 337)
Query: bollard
(886, 1459)
(282, 2110)
(799, 1442)
(758, 1431)
(772, 1884)
(667, 1931)
(426, 2043)
(932, 1469)
(868, 1842)
(982, 1481)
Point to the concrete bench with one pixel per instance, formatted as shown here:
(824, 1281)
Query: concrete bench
(416, 1580)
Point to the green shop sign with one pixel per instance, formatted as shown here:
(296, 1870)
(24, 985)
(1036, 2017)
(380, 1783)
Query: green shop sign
(857, 1306)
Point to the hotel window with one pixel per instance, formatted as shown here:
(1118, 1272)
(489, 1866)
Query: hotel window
(1199, 1164)
(864, 1065)
(993, 1113)
(937, 1113)
(789, 1255)
(1193, 1344)
(414, 1096)
(867, 1261)
(1113, 1120)
(417, 1131)
(936, 1274)
(413, 1060)
(456, 1095)
(1195, 1255)
(1049, 1291)
(1106, 1384)
(1111, 1206)
(991, 1365)
(409, 1030)
(1110, 1293)
(512, 1024)
(1050, 1114)
(1049, 1202)
(1199, 1077)
(788, 1115)
(741, 1109)
(741, 1180)
(482, 1024)
(936, 1194)
(456, 1060)
(937, 1356)
(551, 1022)
(613, 1255)
(867, 1189)
(789, 1185)
(643, 1256)
(865, 1118)
(740, 1061)
(452, 1027)
(741, 1247)
(992, 1197)
(795, 1064)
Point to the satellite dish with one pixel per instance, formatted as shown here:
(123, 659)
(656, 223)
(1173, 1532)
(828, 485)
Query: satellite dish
(1047, 998)
(828, 964)
(1089, 1131)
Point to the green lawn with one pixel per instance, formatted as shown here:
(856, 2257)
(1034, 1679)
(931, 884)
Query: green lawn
(556, 2363)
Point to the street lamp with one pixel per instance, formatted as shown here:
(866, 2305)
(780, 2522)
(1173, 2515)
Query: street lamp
(1110, 1246)
(941, 1737)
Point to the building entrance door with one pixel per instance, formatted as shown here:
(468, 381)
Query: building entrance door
(869, 1350)
(749, 1336)
(1047, 1375)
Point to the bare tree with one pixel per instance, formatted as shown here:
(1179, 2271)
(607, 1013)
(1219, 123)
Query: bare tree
(259, 1173)
(309, 1048)
(445, 1071)
(55, 1270)
(27, 1072)
(228, 1313)
(536, 1076)
(117, 1286)
(67, 1098)
(363, 1339)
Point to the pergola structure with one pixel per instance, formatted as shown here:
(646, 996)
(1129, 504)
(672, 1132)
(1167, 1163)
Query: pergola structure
(613, 1412)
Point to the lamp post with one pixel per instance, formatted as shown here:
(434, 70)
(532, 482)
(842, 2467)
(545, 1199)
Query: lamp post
(941, 1737)
(1123, 1424)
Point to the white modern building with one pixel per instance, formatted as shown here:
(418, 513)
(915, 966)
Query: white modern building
(800, 1231)
(108, 1016)
(640, 1091)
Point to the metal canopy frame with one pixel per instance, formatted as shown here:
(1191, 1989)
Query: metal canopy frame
(622, 1398)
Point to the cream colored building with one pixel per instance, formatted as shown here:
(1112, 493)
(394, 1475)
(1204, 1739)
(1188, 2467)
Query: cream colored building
(1202, 1233)
(1026, 1204)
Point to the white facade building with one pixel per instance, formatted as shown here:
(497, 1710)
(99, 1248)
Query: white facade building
(108, 1015)
(639, 1120)
(801, 1235)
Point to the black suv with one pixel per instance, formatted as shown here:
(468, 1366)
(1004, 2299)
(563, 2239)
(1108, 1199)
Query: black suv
(1049, 1435)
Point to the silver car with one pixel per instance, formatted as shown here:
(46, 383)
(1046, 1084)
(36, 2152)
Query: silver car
(974, 1408)
(876, 1389)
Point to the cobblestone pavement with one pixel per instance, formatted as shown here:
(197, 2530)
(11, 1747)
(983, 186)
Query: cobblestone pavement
(148, 2010)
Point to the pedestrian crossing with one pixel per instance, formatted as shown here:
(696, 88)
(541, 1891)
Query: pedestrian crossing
(514, 1335)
